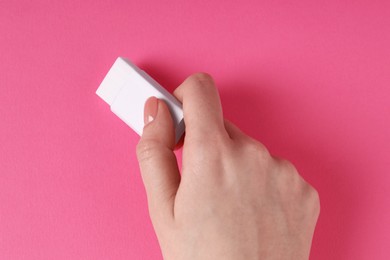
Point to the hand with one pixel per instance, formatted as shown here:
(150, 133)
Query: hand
(233, 200)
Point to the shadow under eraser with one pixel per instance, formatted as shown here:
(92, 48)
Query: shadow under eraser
(126, 88)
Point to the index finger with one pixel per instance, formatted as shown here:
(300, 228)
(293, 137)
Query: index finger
(201, 106)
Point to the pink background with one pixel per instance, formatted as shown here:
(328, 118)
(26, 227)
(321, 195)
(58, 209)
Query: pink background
(311, 81)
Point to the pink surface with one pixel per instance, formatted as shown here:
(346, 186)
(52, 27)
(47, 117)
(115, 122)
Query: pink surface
(309, 80)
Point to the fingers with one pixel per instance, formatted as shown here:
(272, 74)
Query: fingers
(201, 106)
(157, 161)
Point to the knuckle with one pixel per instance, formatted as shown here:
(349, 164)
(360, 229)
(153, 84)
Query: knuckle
(288, 166)
(201, 79)
(312, 199)
(290, 178)
(145, 150)
(258, 148)
(315, 199)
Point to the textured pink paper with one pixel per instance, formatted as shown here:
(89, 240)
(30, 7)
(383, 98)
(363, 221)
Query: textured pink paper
(311, 81)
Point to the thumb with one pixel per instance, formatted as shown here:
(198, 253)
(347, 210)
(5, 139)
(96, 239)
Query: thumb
(157, 161)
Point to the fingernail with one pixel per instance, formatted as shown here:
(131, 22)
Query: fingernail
(150, 110)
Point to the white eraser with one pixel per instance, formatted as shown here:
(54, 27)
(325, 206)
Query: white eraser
(126, 89)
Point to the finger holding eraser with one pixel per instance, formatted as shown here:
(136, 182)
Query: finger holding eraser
(126, 89)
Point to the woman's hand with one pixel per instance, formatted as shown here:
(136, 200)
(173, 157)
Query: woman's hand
(233, 200)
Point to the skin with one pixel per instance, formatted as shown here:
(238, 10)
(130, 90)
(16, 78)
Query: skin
(232, 200)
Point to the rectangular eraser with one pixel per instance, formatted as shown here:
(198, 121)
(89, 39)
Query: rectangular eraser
(126, 89)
